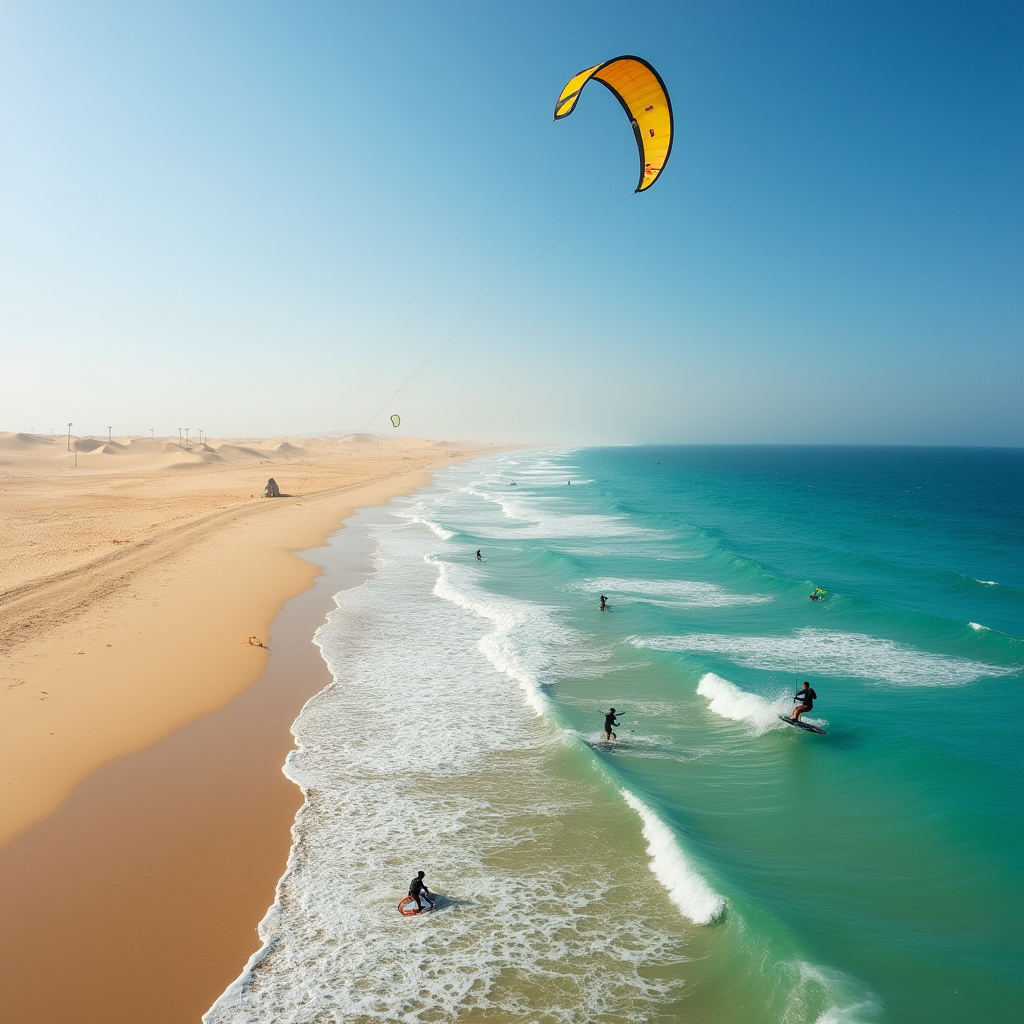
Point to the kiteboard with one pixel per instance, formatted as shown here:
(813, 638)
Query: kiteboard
(407, 906)
(803, 725)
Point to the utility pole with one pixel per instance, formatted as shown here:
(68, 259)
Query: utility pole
(109, 429)
(187, 429)
(70, 425)
(151, 433)
(179, 437)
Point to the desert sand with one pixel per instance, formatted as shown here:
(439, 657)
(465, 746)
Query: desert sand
(132, 582)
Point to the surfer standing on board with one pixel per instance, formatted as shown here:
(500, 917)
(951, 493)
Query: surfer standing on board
(418, 888)
(806, 698)
(610, 721)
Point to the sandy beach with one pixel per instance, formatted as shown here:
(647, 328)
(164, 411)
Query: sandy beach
(132, 584)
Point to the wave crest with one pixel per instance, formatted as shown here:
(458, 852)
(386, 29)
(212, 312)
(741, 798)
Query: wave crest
(688, 890)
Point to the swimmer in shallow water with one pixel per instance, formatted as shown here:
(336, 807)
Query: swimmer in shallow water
(604, 603)
(479, 557)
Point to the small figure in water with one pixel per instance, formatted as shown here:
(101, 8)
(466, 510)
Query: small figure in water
(479, 557)
(805, 697)
(418, 888)
(604, 603)
(610, 721)
(569, 483)
(817, 594)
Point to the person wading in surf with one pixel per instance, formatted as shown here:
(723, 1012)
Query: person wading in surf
(610, 721)
(418, 888)
(806, 698)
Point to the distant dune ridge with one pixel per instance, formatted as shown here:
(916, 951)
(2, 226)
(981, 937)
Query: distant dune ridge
(33, 451)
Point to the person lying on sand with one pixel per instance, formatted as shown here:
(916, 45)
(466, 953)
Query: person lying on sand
(610, 721)
(806, 698)
(418, 888)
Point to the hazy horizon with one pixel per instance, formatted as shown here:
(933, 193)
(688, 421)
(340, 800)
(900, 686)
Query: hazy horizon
(269, 220)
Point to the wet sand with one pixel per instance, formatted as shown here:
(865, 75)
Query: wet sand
(138, 900)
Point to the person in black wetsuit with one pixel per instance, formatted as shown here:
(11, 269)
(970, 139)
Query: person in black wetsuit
(610, 721)
(604, 602)
(805, 698)
(479, 557)
(418, 889)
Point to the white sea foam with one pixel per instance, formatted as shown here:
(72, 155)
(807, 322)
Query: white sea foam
(524, 635)
(416, 757)
(977, 626)
(435, 528)
(678, 593)
(813, 985)
(730, 701)
(414, 513)
(687, 889)
(825, 652)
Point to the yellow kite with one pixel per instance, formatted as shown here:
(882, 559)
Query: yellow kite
(642, 93)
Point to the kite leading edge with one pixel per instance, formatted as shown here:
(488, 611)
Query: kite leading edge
(642, 93)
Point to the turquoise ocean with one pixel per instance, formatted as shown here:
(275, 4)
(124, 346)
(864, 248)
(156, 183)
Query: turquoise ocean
(715, 865)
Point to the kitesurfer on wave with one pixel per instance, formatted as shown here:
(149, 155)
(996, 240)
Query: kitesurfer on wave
(418, 889)
(805, 697)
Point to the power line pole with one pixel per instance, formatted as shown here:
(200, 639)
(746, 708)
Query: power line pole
(109, 429)
(179, 437)
(70, 425)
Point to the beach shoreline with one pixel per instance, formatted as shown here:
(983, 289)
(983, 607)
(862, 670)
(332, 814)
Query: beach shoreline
(129, 630)
(177, 844)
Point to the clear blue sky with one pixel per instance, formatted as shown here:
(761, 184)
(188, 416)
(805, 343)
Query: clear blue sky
(215, 215)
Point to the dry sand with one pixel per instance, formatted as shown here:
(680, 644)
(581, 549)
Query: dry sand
(138, 899)
(131, 583)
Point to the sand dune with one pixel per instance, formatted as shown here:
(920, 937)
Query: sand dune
(20, 442)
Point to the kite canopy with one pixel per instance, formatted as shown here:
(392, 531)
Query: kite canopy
(640, 90)
(395, 420)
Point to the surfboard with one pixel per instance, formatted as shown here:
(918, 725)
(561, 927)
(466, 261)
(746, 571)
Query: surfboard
(803, 725)
(407, 906)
